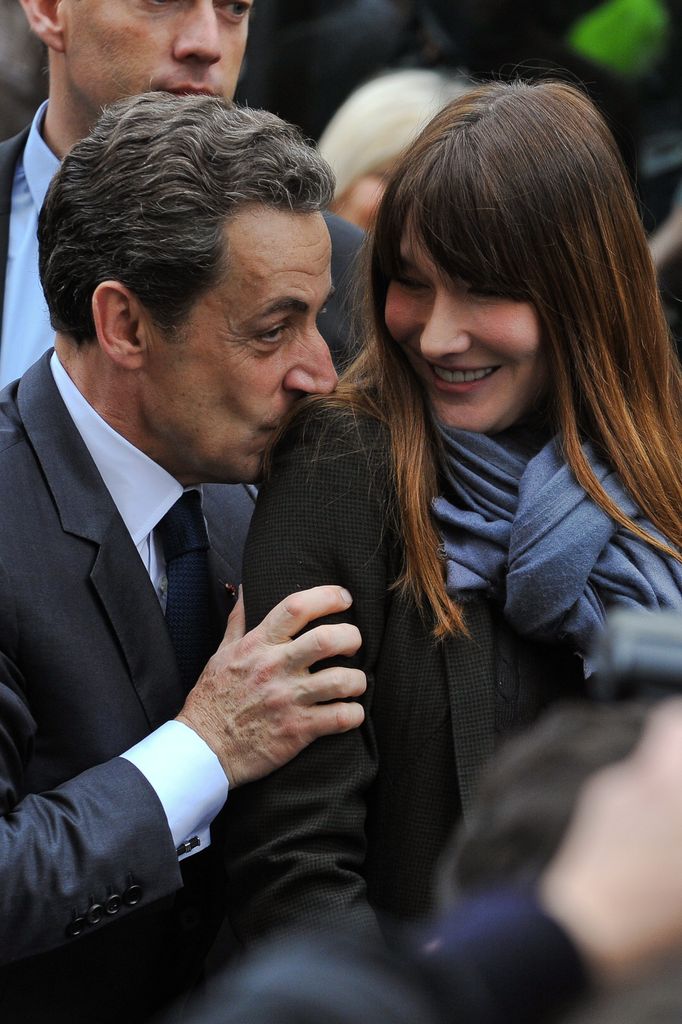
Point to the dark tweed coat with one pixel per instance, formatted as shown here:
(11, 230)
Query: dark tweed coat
(357, 821)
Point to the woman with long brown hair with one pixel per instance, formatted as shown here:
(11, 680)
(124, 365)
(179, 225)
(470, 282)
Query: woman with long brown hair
(499, 466)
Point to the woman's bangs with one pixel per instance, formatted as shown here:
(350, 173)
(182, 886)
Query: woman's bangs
(460, 218)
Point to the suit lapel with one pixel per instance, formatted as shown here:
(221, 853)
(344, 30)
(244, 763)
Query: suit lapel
(118, 575)
(9, 155)
(470, 671)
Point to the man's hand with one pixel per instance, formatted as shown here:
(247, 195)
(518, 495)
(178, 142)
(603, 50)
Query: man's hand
(616, 884)
(256, 704)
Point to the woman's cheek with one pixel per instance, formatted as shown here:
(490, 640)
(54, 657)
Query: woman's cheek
(401, 314)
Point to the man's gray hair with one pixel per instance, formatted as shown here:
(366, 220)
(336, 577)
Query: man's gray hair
(145, 197)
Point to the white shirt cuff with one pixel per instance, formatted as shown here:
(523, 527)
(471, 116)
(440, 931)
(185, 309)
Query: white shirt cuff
(187, 778)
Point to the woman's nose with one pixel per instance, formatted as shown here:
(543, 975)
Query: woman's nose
(447, 328)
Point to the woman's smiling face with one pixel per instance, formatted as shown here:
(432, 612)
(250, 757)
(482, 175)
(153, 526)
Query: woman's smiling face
(479, 355)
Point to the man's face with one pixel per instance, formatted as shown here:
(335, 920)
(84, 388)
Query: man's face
(118, 48)
(213, 395)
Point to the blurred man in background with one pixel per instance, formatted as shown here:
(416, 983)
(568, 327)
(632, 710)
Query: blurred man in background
(99, 53)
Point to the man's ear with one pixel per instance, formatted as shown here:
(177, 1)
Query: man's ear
(122, 324)
(46, 18)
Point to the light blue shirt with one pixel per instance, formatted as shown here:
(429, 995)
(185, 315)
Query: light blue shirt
(26, 331)
(182, 769)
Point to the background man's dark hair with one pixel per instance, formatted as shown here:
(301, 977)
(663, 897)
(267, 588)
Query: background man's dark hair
(527, 795)
(144, 200)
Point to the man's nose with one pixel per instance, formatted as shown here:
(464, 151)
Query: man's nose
(198, 37)
(313, 372)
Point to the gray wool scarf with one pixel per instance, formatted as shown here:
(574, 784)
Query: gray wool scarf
(517, 525)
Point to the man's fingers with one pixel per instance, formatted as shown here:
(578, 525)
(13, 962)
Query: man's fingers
(328, 719)
(236, 623)
(328, 641)
(257, 704)
(332, 684)
(294, 613)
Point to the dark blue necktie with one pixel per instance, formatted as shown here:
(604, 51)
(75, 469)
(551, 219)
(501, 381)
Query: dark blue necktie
(188, 600)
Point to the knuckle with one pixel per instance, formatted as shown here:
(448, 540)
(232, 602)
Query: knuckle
(358, 682)
(349, 716)
(293, 606)
(347, 682)
(334, 638)
(276, 700)
(293, 733)
(348, 635)
(323, 638)
(243, 649)
(343, 717)
(262, 671)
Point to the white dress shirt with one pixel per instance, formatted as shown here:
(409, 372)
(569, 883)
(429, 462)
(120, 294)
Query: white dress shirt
(182, 769)
(26, 331)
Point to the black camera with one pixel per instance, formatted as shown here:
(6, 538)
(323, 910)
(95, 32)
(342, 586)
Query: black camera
(639, 656)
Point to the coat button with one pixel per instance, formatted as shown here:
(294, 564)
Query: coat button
(95, 913)
(132, 895)
(112, 904)
(75, 926)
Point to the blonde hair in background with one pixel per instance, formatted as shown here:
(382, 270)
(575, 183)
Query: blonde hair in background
(379, 119)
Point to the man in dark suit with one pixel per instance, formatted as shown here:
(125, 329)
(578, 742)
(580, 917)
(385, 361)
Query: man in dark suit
(185, 262)
(99, 53)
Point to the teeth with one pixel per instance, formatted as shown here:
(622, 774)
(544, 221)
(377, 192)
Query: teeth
(461, 376)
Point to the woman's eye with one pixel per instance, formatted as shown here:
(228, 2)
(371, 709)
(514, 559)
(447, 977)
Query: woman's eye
(409, 282)
(485, 291)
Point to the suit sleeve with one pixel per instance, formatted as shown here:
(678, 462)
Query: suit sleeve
(297, 839)
(64, 852)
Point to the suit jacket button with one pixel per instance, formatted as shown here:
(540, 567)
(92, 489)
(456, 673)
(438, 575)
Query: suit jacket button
(95, 913)
(75, 927)
(112, 904)
(132, 895)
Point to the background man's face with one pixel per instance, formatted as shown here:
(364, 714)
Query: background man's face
(250, 348)
(119, 48)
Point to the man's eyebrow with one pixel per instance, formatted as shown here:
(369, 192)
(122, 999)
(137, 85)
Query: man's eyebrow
(290, 304)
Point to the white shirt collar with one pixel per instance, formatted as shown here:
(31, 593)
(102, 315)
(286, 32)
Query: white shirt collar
(141, 489)
(40, 163)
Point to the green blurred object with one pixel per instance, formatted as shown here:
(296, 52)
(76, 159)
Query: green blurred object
(627, 36)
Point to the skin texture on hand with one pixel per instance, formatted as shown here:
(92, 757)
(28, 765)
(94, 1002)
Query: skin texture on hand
(616, 883)
(256, 704)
